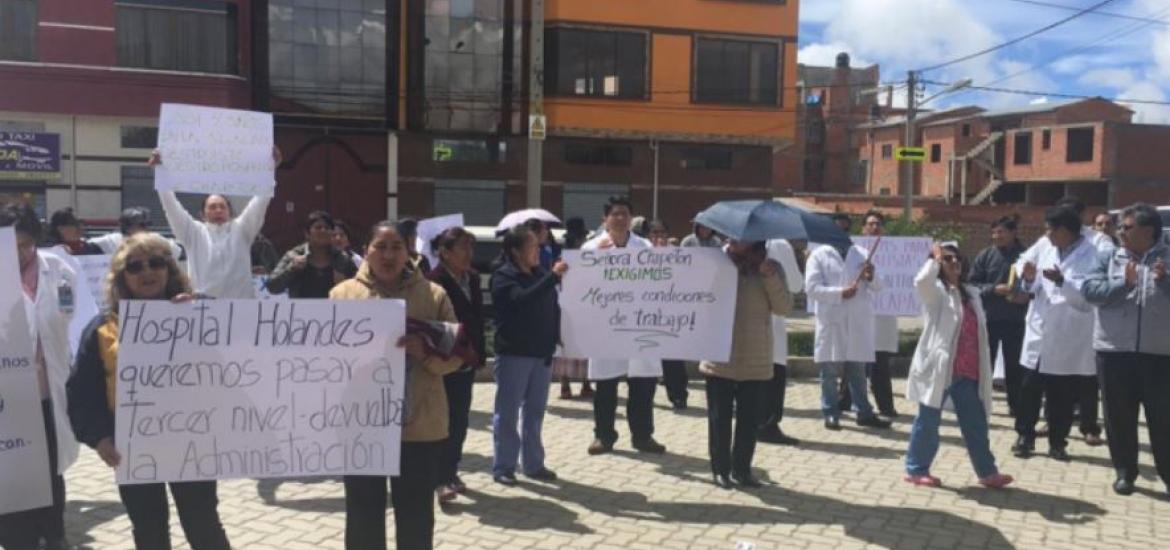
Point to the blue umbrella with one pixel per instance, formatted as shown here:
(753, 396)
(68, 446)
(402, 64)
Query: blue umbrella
(763, 220)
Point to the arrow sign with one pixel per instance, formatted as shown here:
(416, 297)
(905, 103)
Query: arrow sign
(912, 154)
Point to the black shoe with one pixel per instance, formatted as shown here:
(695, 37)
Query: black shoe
(722, 481)
(1023, 447)
(543, 474)
(1123, 487)
(1059, 453)
(57, 544)
(648, 445)
(833, 424)
(599, 447)
(508, 480)
(745, 480)
(776, 436)
(889, 413)
(678, 404)
(873, 422)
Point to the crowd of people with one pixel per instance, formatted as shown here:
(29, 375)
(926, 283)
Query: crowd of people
(1080, 307)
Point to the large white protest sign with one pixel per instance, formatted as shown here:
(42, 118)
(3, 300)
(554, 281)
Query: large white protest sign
(214, 150)
(897, 261)
(89, 296)
(222, 389)
(650, 303)
(24, 453)
(430, 228)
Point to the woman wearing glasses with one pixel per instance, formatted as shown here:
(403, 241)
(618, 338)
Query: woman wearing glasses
(953, 363)
(142, 269)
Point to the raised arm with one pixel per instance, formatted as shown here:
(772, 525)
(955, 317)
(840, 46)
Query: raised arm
(251, 220)
(182, 224)
(926, 283)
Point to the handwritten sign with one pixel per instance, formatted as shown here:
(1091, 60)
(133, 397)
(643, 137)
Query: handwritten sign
(223, 389)
(260, 283)
(897, 261)
(430, 228)
(24, 453)
(213, 150)
(649, 303)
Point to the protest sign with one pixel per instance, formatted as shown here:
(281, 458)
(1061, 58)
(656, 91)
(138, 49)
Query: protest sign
(430, 228)
(24, 453)
(649, 303)
(897, 261)
(260, 283)
(223, 389)
(214, 150)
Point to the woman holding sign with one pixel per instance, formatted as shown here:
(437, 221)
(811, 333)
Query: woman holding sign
(47, 284)
(142, 269)
(387, 273)
(737, 384)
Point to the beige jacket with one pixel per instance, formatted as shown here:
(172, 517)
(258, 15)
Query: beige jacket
(757, 300)
(426, 400)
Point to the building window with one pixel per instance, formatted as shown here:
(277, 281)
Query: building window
(887, 151)
(139, 137)
(1023, 149)
(1080, 145)
(18, 30)
(464, 64)
(587, 200)
(862, 175)
(138, 190)
(480, 201)
(935, 153)
(327, 57)
(599, 154)
(966, 130)
(595, 63)
(1046, 140)
(734, 71)
(469, 150)
(177, 36)
(814, 170)
(706, 158)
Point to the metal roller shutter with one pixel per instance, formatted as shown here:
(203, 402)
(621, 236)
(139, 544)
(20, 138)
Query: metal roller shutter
(480, 201)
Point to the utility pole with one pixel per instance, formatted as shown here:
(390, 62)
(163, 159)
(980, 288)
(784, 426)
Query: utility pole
(907, 168)
(536, 102)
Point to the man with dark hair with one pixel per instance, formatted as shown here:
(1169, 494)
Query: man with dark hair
(1005, 306)
(1130, 288)
(885, 332)
(1064, 363)
(132, 220)
(843, 221)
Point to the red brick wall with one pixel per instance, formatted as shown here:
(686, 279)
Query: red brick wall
(1051, 165)
(883, 172)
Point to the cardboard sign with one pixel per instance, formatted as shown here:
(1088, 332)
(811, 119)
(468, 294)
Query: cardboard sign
(430, 228)
(649, 303)
(24, 453)
(224, 389)
(897, 261)
(213, 150)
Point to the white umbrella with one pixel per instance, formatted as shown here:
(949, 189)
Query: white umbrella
(520, 216)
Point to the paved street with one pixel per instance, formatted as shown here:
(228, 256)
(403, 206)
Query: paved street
(837, 490)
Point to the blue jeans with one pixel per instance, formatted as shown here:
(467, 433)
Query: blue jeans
(855, 377)
(521, 386)
(964, 393)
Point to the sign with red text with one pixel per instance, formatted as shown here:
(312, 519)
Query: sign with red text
(897, 261)
(227, 389)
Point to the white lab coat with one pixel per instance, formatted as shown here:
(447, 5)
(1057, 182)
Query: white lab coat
(608, 369)
(1064, 335)
(781, 252)
(933, 365)
(844, 328)
(50, 323)
(885, 332)
(219, 257)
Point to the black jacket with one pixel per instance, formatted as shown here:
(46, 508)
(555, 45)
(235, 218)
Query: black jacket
(528, 318)
(299, 283)
(992, 267)
(468, 311)
(90, 413)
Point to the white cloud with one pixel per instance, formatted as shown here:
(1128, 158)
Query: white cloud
(1146, 113)
(825, 55)
(1109, 78)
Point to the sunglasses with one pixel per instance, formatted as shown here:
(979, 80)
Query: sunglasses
(155, 263)
(950, 259)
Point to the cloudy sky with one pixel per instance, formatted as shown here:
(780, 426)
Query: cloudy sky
(1110, 54)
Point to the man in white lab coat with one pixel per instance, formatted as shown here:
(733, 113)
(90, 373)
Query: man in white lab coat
(841, 283)
(1060, 360)
(641, 375)
(772, 403)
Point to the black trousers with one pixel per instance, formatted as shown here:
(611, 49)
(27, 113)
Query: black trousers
(639, 408)
(727, 399)
(1057, 394)
(24, 530)
(459, 387)
(772, 399)
(412, 493)
(196, 502)
(880, 384)
(1010, 336)
(1086, 397)
(674, 377)
(1130, 381)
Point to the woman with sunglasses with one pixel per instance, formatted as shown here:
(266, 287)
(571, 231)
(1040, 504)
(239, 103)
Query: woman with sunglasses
(47, 284)
(953, 363)
(142, 269)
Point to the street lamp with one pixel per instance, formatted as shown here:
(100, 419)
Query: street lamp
(912, 106)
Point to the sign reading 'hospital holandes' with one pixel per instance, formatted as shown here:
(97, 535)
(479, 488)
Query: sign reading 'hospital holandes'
(30, 156)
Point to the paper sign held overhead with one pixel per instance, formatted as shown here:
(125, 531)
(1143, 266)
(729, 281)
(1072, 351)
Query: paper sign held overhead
(213, 150)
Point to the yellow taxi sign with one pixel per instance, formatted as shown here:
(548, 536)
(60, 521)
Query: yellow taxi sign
(912, 154)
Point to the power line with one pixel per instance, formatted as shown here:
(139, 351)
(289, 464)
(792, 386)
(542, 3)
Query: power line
(1018, 39)
(1101, 13)
(1037, 93)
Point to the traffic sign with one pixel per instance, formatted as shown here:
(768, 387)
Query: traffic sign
(912, 154)
(537, 127)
